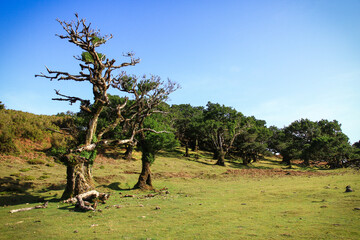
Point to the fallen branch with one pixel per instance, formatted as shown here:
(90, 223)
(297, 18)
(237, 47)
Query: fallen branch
(86, 195)
(29, 208)
(88, 201)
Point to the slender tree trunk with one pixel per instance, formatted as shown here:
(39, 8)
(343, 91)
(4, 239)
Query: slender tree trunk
(286, 160)
(306, 162)
(187, 150)
(245, 160)
(215, 154)
(196, 149)
(221, 158)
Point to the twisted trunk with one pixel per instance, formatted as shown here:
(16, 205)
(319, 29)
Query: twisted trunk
(79, 180)
(129, 151)
(221, 158)
(78, 171)
(145, 180)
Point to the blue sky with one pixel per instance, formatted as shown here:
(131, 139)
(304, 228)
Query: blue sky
(277, 60)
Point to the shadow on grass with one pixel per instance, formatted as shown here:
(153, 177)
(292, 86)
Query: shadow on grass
(175, 154)
(116, 186)
(14, 192)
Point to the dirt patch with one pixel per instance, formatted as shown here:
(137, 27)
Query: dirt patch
(272, 173)
(172, 175)
(105, 179)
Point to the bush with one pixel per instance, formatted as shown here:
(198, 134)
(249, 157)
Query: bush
(7, 144)
(36, 161)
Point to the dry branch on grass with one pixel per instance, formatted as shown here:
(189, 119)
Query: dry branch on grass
(29, 208)
(88, 201)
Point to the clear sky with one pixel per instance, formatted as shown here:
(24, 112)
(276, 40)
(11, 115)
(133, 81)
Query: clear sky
(277, 60)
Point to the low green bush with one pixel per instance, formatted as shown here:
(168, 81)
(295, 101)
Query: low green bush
(25, 169)
(7, 144)
(36, 161)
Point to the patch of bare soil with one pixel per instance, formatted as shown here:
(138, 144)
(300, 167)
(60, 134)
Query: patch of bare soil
(172, 175)
(105, 179)
(272, 173)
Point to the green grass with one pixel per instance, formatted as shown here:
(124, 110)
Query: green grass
(205, 202)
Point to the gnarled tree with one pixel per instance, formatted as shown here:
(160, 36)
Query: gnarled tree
(97, 70)
(222, 126)
(148, 94)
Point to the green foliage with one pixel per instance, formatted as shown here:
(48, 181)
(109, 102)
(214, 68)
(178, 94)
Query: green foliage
(43, 177)
(7, 144)
(17, 124)
(319, 141)
(25, 169)
(89, 155)
(188, 124)
(252, 140)
(2, 106)
(151, 143)
(58, 152)
(88, 58)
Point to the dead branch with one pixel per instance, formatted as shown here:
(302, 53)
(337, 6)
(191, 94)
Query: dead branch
(30, 208)
(88, 201)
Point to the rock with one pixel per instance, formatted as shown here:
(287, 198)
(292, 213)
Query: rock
(157, 208)
(129, 195)
(76, 231)
(348, 189)
(357, 208)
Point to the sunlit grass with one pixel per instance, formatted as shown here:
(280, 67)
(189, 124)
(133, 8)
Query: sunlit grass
(203, 203)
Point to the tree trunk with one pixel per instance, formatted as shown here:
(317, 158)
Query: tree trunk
(79, 180)
(196, 149)
(144, 181)
(216, 154)
(306, 162)
(129, 151)
(93, 124)
(221, 159)
(78, 173)
(245, 160)
(286, 160)
(186, 150)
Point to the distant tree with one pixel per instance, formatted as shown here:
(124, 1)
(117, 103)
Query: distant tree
(356, 150)
(2, 106)
(187, 122)
(222, 125)
(318, 141)
(252, 141)
(332, 145)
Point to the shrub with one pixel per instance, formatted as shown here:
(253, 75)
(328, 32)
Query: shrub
(36, 161)
(7, 144)
(28, 178)
(43, 177)
(25, 169)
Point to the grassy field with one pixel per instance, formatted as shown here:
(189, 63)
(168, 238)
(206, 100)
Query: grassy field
(203, 201)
